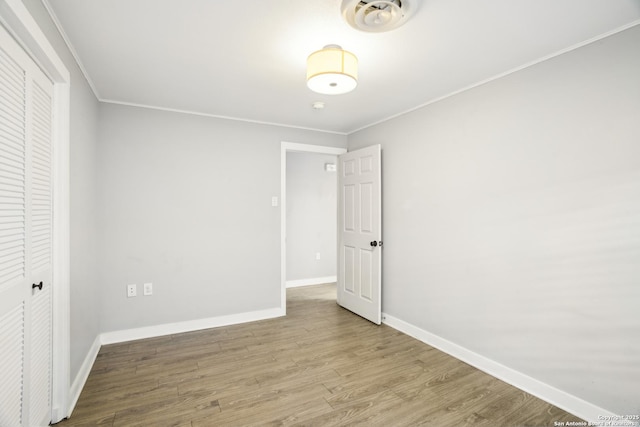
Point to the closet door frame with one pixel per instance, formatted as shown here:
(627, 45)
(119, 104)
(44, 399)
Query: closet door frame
(18, 21)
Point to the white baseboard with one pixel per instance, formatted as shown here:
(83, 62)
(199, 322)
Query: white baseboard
(312, 281)
(188, 326)
(568, 402)
(81, 378)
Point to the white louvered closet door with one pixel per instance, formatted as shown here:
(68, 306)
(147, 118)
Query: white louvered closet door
(25, 238)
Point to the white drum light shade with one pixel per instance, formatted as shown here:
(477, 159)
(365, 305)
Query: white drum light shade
(332, 71)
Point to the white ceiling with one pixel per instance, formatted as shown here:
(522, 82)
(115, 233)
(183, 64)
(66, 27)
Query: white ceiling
(247, 59)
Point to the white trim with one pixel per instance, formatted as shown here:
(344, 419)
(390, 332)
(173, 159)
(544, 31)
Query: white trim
(188, 326)
(504, 74)
(311, 282)
(67, 41)
(546, 392)
(61, 256)
(21, 24)
(215, 116)
(308, 148)
(300, 148)
(83, 374)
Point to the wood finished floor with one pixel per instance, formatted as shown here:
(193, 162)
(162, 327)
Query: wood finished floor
(318, 366)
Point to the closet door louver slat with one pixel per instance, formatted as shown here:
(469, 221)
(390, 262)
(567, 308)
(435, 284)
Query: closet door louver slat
(12, 357)
(41, 356)
(12, 177)
(41, 181)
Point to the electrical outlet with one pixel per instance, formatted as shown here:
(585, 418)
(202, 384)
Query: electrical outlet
(132, 290)
(317, 255)
(147, 288)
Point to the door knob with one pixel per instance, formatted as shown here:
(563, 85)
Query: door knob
(374, 243)
(39, 286)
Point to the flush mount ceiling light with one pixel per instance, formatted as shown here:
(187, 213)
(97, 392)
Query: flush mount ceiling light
(377, 16)
(332, 71)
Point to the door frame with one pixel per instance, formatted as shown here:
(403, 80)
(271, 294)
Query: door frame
(287, 147)
(18, 21)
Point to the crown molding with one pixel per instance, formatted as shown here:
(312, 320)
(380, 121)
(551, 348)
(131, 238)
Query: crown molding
(504, 74)
(217, 116)
(74, 53)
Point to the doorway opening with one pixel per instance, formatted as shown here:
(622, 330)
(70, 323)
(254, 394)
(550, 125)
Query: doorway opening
(290, 147)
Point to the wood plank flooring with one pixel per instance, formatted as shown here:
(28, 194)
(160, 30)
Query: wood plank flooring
(318, 366)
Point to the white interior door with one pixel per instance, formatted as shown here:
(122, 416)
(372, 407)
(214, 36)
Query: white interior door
(360, 233)
(25, 238)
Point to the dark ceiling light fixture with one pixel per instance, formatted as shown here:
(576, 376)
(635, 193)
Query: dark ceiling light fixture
(377, 16)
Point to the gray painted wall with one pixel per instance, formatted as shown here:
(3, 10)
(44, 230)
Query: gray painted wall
(84, 290)
(185, 203)
(511, 220)
(510, 217)
(311, 216)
